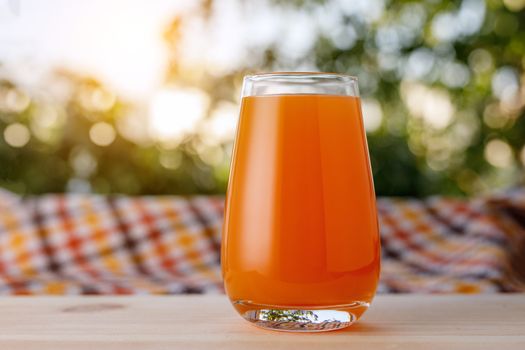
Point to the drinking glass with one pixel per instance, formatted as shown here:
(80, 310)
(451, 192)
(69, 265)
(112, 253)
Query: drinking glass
(300, 245)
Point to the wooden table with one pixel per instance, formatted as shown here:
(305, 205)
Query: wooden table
(209, 322)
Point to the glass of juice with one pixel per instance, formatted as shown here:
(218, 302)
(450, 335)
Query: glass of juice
(300, 244)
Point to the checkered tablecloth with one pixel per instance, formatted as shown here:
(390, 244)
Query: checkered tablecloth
(89, 244)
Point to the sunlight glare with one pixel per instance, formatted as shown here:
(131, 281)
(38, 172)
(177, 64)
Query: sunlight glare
(175, 113)
(221, 126)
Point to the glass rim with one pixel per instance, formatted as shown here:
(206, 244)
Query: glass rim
(298, 76)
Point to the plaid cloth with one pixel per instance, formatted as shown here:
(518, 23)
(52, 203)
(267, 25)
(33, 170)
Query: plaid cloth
(89, 244)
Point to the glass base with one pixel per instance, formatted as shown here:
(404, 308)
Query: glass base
(293, 319)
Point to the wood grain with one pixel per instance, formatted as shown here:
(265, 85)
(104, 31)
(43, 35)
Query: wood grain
(209, 322)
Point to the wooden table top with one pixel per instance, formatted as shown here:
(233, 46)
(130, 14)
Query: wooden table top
(209, 322)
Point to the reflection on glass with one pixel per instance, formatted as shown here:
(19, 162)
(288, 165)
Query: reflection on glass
(288, 315)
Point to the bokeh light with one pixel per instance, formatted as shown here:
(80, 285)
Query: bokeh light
(498, 153)
(83, 162)
(220, 127)
(16, 135)
(102, 134)
(96, 99)
(432, 105)
(170, 160)
(46, 123)
(372, 114)
(514, 5)
(13, 100)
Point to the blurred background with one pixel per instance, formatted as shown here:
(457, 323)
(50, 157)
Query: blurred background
(141, 97)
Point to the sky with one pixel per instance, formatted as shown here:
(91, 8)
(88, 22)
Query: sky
(118, 41)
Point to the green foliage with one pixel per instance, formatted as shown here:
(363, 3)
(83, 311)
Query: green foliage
(442, 82)
(288, 315)
(62, 156)
(448, 78)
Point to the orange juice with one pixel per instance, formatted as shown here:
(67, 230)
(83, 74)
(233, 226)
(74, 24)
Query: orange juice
(300, 224)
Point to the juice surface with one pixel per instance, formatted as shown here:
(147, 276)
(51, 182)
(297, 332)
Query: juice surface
(300, 223)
